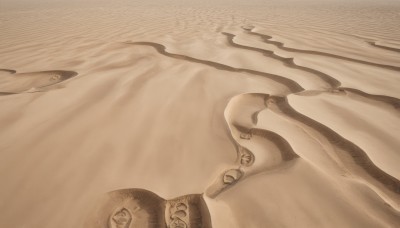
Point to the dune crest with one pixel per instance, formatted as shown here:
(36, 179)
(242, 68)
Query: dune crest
(199, 114)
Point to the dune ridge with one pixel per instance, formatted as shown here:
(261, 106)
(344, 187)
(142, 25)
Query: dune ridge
(359, 157)
(248, 163)
(373, 43)
(267, 39)
(291, 85)
(209, 114)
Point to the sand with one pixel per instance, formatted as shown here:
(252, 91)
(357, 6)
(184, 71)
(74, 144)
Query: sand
(199, 114)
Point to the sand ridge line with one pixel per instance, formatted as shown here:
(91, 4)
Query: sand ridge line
(290, 84)
(374, 44)
(289, 62)
(386, 179)
(352, 155)
(246, 157)
(9, 71)
(334, 83)
(280, 45)
(392, 101)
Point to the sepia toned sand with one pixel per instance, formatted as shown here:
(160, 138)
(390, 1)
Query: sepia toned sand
(223, 114)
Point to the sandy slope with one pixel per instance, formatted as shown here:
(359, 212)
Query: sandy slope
(281, 114)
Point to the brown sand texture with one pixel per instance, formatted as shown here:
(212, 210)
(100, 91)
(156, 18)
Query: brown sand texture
(199, 114)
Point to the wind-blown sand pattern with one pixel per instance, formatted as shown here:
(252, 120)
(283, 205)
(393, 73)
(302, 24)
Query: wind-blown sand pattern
(199, 114)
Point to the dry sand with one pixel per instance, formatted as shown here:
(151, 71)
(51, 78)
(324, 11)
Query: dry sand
(223, 114)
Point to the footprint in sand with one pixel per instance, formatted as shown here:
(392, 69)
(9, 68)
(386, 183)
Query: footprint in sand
(178, 213)
(246, 157)
(232, 176)
(177, 223)
(121, 219)
(246, 136)
(130, 208)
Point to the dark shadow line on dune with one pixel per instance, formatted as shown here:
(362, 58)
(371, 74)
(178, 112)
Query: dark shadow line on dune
(395, 102)
(280, 45)
(328, 79)
(292, 85)
(284, 147)
(9, 71)
(358, 155)
(373, 43)
(289, 62)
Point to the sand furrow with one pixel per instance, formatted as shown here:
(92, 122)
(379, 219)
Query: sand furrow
(392, 101)
(267, 39)
(290, 84)
(334, 83)
(373, 43)
(350, 154)
(291, 123)
(289, 62)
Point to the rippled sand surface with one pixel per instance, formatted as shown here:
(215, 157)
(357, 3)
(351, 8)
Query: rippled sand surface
(199, 114)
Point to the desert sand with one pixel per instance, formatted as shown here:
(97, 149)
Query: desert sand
(199, 114)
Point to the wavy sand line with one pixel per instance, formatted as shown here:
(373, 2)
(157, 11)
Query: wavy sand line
(353, 154)
(334, 83)
(392, 101)
(290, 84)
(289, 62)
(373, 43)
(9, 71)
(358, 156)
(280, 45)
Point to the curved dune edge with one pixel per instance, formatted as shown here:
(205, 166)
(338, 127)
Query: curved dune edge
(277, 153)
(334, 83)
(289, 62)
(290, 84)
(29, 82)
(359, 157)
(392, 101)
(374, 44)
(280, 45)
(293, 86)
(354, 159)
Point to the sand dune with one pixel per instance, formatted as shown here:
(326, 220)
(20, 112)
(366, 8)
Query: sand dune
(384, 47)
(267, 39)
(199, 114)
